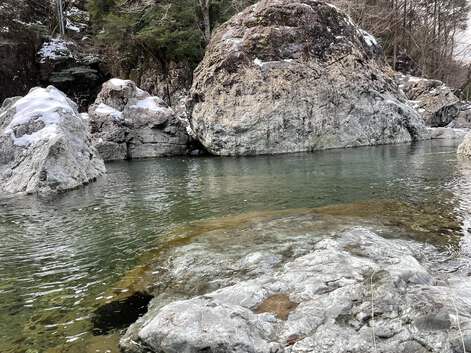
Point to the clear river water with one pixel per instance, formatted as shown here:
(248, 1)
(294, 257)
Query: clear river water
(60, 255)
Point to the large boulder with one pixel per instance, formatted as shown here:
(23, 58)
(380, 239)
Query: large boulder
(434, 100)
(128, 123)
(288, 76)
(353, 292)
(45, 145)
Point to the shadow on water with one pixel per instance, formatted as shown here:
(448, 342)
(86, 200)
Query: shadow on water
(120, 314)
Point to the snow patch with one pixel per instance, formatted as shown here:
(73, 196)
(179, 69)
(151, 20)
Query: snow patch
(118, 83)
(369, 39)
(258, 62)
(150, 104)
(40, 104)
(70, 26)
(55, 49)
(107, 110)
(261, 63)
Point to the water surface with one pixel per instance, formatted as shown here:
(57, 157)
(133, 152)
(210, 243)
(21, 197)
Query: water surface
(60, 255)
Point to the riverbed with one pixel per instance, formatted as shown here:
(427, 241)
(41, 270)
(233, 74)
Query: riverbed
(60, 255)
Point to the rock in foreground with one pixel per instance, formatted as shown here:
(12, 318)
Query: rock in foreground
(45, 145)
(289, 76)
(353, 292)
(128, 123)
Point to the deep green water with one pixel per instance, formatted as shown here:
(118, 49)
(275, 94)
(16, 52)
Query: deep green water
(60, 255)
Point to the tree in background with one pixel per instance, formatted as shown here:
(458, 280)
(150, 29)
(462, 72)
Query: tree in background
(424, 32)
(137, 34)
(418, 36)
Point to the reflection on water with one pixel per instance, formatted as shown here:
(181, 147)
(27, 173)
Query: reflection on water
(59, 255)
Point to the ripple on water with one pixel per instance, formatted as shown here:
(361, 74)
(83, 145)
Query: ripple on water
(60, 255)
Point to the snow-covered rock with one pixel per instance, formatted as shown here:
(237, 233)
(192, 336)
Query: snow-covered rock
(128, 123)
(434, 100)
(55, 49)
(66, 65)
(45, 145)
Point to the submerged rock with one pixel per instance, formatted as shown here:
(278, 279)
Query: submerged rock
(352, 292)
(128, 123)
(288, 76)
(44, 144)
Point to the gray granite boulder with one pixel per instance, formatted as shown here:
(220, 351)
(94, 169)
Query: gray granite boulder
(434, 100)
(45, 144)
(127, 123)
(288, 76)
(350, 291)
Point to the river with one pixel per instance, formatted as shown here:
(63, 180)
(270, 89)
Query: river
(60, 254)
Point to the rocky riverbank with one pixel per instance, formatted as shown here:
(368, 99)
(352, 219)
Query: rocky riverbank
(314, 281)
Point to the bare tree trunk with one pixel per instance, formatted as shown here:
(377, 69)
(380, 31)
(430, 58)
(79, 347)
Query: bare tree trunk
(60, 16)
(204, 6)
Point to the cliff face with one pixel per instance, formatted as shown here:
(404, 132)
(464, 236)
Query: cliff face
(22, 26)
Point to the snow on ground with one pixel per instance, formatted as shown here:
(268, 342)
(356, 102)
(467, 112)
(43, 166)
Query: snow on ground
(40, 104)
(55, 49)
(76, 20)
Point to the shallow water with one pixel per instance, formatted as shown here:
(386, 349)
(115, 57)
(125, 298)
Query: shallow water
(60, 255)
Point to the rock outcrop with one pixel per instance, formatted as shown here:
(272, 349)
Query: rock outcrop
(67, 65)
(353, 291)
(22, 25)
(45, 145)
(127, 123)
(288, 76)
(434, 100)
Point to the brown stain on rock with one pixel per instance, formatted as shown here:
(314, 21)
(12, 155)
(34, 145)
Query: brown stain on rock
(279, 304)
